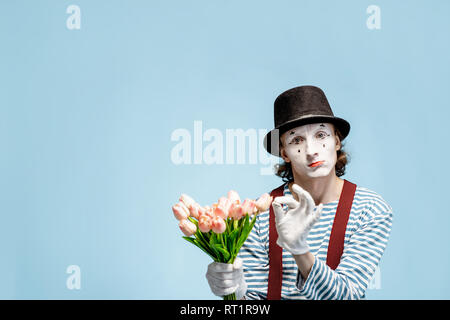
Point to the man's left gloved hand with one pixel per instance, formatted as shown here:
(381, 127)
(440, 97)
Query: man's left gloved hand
(225, 278)
(294, 225)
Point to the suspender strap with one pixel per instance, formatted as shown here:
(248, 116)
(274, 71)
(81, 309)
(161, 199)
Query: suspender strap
(275, 254)
(335, 246)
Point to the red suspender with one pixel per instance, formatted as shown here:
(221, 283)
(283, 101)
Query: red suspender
(335, 246)
(275, 254)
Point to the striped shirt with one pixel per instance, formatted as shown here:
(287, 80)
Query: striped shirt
(366, 236)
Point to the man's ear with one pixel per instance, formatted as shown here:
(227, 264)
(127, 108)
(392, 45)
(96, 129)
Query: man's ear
(338, 141)
(283, 153)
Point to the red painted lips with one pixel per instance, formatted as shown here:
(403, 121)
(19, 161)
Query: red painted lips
(315, 164)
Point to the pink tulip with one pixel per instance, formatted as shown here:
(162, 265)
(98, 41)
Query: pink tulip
(218, 225)
(204, 223)
(209, 211)
(222, 208)
(201, 211)
(234, 197)
(195, 210)
(180, 211)
(187, 227)
(219, 212)
(249, 206)
(236, 211)
(188, 201)
(225, 204)
(263, 203)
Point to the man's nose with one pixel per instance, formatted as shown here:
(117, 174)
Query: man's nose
(311, 148)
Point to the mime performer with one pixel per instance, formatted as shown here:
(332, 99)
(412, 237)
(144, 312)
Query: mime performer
(323, 236)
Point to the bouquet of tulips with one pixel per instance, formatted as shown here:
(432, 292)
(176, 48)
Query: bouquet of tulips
(219, 230)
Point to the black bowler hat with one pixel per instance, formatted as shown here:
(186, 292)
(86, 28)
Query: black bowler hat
(298, 106)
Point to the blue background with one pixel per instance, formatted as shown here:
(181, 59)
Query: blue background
(86, 118)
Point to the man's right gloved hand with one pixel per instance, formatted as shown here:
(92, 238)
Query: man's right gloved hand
(293, 226)
(226, 278)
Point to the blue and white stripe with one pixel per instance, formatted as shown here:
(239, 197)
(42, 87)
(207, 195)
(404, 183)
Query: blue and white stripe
(366, 237)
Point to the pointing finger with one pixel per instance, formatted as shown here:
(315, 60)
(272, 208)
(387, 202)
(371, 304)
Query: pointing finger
(302, 193)
(278, 211)
(289, 201)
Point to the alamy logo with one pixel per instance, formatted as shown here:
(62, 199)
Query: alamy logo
(73, 22)
(374, 20)
(73, 282)
(234, 146)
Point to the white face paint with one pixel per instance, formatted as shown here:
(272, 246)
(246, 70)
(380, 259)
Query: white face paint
(311, 149)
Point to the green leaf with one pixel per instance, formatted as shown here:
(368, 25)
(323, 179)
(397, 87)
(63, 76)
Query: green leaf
(240, 242)
(224, 252)
(246, 223)
(242, 223)
(250, 227)
(235, 224)
(205, 235)
(232, 240)
(191, 240)
(224, 238)
(209, 252)
(193, 221)
(224, 247)
(200, 245)
(247, 227)
(228, 223)
(212, 243)
(201, 238)
(233, 235)
(212, 239)
(207, 247)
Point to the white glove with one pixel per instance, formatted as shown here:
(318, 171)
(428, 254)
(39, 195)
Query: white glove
(294, 225)
(226, 278)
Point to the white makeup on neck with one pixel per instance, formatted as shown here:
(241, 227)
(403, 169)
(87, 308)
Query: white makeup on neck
(311, 149)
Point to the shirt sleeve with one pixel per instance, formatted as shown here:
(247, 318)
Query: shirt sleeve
(256, 263)
(358, 263)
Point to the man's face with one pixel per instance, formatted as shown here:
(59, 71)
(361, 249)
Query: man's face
(311, 149)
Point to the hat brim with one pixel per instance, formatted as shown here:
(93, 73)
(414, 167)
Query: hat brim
(271, 140)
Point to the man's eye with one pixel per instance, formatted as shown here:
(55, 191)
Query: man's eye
(297, 139)
(321, 135)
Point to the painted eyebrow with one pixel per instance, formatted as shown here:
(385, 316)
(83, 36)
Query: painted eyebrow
(322, 126)
(289, 140)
